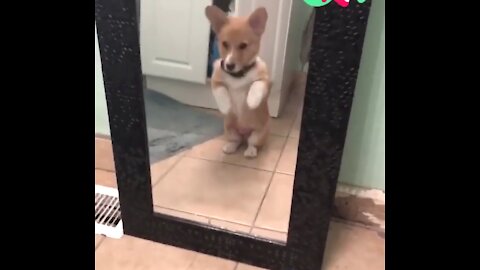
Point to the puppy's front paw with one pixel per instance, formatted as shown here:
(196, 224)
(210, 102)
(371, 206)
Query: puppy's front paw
(230, 147)
(223, 100)
(251, 152)
(256, 94)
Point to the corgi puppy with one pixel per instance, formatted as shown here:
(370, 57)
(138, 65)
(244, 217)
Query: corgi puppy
(240, 80)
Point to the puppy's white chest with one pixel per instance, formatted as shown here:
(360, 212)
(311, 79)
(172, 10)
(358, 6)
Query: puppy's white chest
(238, 97)
(238, 89)
(237, 83)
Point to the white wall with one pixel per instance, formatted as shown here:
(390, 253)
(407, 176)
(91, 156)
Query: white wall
(101, 115)
(363, 162)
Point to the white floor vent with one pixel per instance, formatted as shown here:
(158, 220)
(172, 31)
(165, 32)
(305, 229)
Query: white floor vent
(108, 219)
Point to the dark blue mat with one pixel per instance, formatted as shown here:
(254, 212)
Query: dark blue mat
(173, 126)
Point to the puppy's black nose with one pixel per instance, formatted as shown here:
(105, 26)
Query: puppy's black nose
(230, 67)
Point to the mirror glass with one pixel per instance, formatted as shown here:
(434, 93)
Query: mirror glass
(224, 83)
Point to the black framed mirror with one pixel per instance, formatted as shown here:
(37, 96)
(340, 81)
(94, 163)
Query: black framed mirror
(178, 183)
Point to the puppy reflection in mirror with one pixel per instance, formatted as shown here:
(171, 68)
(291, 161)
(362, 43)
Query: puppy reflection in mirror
(240, 80)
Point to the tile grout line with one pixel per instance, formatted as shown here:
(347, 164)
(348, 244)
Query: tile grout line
(232, 164)
(182, 212)
(209, 219)
(286, 174)
(226, 221)
(270, 230)
(104, 170)
(268, 187)
(167, 171)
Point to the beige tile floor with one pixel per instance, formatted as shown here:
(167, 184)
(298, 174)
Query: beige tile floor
(348, 248)
(244, 195)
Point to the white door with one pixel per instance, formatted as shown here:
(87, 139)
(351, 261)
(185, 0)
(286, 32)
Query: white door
(174, 39)
(274, 42)
(270, 44)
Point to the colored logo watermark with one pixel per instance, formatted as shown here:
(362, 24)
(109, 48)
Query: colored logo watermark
(321, 3)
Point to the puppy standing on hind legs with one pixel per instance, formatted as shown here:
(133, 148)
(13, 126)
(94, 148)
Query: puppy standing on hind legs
(240, 81)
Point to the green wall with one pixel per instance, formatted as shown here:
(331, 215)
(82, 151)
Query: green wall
(101, 114)
(363, 161)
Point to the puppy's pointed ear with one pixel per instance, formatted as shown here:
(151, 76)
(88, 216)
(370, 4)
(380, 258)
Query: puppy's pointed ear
(258, 20)
(217, 17)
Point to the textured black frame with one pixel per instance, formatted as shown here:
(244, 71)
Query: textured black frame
(334, 62)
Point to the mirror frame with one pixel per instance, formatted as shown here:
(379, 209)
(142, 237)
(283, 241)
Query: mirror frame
(336, 50)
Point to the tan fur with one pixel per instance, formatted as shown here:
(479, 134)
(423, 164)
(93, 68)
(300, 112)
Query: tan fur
(234, 31)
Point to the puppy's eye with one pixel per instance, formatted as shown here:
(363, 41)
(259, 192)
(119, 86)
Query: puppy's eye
(242, 46)
(225, 44)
